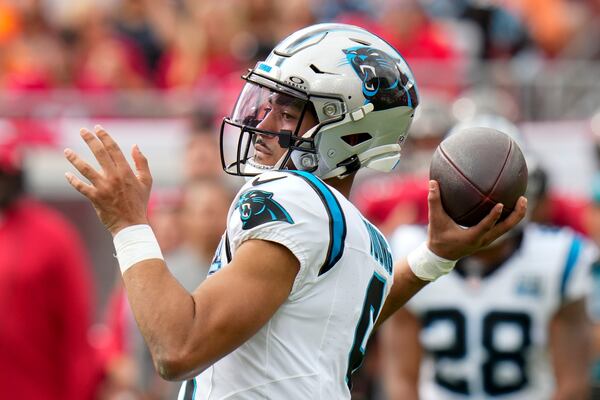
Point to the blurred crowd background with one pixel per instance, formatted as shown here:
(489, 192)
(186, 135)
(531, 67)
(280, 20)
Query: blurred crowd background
(163, 73)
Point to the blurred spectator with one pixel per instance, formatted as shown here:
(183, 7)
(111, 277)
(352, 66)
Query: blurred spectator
(585, 42)
(201, 158)
(185, 59)
(552, 23)
(406, 25)
(504, 35)
(45, 296)
(136, 21)
(200, 52)
(32, 59)
(107, 60)
(422, 41)
(204, 201)
(164, 210)
(258, 37)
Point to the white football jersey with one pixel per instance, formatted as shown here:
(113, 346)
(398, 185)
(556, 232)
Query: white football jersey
(487, 337)
(318, 336)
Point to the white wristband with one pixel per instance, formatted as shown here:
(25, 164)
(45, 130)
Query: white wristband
(134, 244)
(427, 265)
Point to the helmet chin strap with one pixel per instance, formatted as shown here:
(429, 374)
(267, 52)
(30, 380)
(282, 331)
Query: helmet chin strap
(381, 158)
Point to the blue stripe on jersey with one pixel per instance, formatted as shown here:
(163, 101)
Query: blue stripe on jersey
(570, 264)
(337, 221)
(190, 390)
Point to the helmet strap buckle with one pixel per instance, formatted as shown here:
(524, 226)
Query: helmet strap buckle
(352, 164)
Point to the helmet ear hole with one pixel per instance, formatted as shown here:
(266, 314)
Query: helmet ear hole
(356, 138)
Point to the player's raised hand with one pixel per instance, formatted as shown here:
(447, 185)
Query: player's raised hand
(449, 240)
(119, 195)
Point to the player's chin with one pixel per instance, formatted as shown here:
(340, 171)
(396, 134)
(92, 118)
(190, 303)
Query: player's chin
(264, 160)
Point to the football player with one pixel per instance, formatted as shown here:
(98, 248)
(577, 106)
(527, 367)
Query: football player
(508, 322)
(300, 278)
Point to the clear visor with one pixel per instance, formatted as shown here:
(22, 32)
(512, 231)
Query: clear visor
(264, 126)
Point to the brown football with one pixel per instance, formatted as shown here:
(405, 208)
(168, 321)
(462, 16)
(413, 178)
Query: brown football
(477, 168)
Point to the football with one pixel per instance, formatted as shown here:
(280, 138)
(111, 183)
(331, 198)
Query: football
(476, 168)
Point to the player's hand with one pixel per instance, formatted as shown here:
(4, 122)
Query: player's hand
(119, 195)
(449, 240)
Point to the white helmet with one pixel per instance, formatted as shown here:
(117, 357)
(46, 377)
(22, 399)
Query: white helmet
(358, 88)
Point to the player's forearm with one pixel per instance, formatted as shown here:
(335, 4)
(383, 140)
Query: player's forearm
(406, 285)
(402, 391)
(572, 369)
(570, 343)
(165, 313)
(577, 389)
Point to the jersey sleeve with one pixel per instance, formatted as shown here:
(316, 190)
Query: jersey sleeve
(283, 208)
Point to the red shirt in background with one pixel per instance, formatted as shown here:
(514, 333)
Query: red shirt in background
(45, 293)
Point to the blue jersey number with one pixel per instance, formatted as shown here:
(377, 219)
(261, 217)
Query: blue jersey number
(366, 322)
(496, 358)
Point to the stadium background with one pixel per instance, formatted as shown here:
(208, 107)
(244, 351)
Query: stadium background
(160, 73)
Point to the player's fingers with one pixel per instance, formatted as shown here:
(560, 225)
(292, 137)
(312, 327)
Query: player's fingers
(82, 187)
(488, 222)
(513, 219)
(82, 166)
(436, 210)
(113, 149)
(141, 166)
(98, 150)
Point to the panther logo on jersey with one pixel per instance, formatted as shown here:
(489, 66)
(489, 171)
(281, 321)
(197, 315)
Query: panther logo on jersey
(257, 207)
(384, 84)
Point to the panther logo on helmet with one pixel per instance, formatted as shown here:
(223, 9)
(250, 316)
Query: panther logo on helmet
(257, 207)
(384, 84)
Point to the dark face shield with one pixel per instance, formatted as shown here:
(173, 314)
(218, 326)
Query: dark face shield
(266, 124)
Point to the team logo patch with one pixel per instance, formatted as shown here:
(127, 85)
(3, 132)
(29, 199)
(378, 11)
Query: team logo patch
(257, 207)
(529, 286)
(384, 84)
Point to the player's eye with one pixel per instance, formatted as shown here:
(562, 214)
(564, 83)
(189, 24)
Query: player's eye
(286, 116)
(264, 112)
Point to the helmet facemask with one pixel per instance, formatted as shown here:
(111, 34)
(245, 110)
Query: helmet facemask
(270, 121)
(264, 128)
